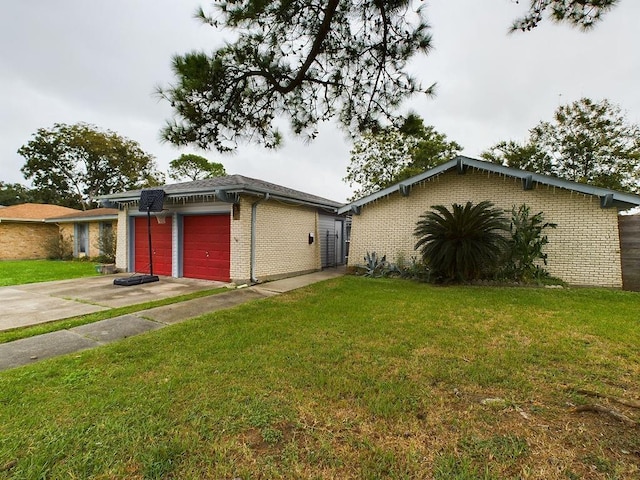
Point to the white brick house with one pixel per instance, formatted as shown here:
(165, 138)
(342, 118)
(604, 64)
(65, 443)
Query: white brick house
(231, 228)
(584, 249)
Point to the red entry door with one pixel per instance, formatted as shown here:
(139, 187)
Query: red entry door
(207, 247)
(160, 246)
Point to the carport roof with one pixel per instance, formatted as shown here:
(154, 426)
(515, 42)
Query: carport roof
(225, 189)
(608, 198)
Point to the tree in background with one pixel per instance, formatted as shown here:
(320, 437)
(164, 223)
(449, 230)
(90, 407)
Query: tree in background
(392, 154)
(73, 164)
(592, 142)
(512, 154)
(308, 61)
(430, 150)
(588, 142)
(194, 167)
(14, 194)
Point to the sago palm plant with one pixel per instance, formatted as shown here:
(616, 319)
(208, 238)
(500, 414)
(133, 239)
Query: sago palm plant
(462, 244)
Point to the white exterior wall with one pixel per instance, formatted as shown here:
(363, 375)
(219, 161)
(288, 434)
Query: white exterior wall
(282, 246)
(122, 244)
(583, 250)
(241, 242)
(282, 231)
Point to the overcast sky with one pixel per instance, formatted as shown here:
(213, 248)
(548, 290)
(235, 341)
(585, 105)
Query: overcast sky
(99, 62)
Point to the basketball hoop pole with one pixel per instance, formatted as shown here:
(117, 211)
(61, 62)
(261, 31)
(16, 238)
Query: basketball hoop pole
(151, 200)
(149, 230)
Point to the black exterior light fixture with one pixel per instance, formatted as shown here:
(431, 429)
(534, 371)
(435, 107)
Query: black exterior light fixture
(151, 200)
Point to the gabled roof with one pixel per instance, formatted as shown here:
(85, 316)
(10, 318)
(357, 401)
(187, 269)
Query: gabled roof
(608, 198)
(225, 189)
(34, 212)
(93, 215)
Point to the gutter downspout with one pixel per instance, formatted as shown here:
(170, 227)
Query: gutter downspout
(254, 214)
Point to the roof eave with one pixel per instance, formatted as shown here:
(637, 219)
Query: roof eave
(286, 198)
(114, 199)
(99, 218)
(620, 200)
(24, 220)
(396, 188)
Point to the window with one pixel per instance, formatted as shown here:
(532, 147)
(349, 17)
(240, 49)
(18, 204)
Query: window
(82, 240)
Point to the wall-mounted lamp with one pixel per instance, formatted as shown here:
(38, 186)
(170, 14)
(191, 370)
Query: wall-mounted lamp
(311, 239)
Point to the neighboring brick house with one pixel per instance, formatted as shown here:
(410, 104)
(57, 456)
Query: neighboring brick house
(84, 229)
(24, 231)
(229, 228)
(584, 249)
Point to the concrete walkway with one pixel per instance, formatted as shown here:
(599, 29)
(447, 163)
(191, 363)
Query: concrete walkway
(33, 349)
(35, 303)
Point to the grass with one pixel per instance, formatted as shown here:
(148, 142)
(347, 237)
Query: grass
(19, 272)
(349, 378)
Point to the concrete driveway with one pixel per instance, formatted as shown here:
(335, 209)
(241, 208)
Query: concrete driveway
(63, 299)
(35, 303)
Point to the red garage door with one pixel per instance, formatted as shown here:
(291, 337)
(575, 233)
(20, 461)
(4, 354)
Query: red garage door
(160, 246)
(207, 246)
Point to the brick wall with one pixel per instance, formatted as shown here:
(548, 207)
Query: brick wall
(68, 231)
(282, 246)
(583, 250)
(122, 245)
(241, 242)
(25, 241)
(94, 236)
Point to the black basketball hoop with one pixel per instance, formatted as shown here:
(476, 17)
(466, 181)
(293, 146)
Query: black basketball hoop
(151, 200)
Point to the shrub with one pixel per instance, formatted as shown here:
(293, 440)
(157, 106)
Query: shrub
(107, 246)
(374, 266)
(463, 244)
(412, 270)
(59, 248)
(525, 252)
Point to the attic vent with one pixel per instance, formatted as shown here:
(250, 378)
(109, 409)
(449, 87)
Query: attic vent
(227, 197)
(606, 201)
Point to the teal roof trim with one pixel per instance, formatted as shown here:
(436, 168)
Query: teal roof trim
(460, 163)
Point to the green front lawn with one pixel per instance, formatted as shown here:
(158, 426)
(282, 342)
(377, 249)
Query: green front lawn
(349, 378)
(18, 272)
